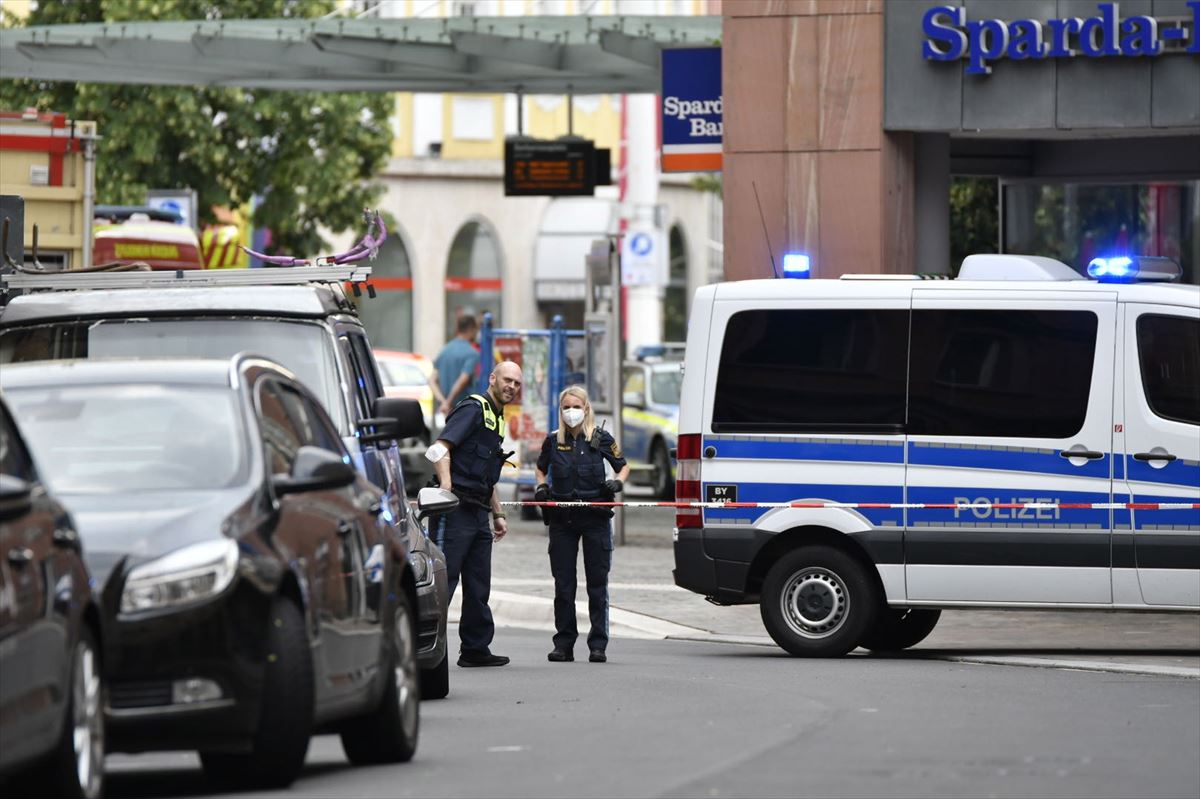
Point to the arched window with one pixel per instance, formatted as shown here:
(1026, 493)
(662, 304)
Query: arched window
(675, 301)
(473, 275)
(388, 317)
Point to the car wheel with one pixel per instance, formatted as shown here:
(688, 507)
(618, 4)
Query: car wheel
(435, 682)
(76, 767)
(664, 484)
(285, 725)
(900, 628)
(818, 601)
(389, 734)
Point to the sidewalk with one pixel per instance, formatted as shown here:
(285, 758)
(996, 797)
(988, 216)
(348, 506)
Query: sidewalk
(646, 604)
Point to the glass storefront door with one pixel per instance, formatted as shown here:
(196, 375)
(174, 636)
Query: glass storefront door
(1076, 222)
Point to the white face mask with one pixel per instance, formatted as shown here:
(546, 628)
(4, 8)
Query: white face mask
(572, 416)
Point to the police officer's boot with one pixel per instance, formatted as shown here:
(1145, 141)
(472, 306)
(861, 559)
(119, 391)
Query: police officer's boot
(561, 656)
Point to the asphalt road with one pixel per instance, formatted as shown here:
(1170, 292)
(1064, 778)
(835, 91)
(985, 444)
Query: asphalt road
(675, 718)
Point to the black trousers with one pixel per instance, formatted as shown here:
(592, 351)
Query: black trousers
(465, 538)
(565, 536)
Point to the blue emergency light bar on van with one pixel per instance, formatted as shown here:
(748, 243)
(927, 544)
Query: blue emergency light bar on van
(796, 265)
(1129, 269)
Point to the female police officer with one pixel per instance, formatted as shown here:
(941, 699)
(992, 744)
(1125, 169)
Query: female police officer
(573, 457)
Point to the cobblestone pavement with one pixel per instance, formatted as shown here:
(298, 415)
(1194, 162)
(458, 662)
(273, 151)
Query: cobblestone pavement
(641, 582)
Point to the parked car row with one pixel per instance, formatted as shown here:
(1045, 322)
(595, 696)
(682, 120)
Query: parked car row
(235, 565)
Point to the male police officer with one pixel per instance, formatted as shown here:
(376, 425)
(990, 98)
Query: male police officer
(467, 458)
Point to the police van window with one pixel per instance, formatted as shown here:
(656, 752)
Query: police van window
(1025, 374)
(635, 381)
(790, 370)
(1169, 350)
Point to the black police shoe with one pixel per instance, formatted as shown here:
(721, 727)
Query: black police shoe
(598, 656)
(475, 659)
(561, 656)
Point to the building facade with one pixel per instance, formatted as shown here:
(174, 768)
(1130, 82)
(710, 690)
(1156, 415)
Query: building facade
(851, 122)
(461, 246)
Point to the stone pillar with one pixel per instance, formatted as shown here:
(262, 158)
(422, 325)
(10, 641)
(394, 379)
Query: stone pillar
(803, 91)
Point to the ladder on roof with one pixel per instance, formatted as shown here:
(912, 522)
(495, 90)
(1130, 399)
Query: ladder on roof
(262, 276)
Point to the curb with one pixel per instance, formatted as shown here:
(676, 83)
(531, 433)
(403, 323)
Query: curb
(537, 613)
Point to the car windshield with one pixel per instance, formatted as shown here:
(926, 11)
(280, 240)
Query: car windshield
(302, 347)
(132, 438)
(664, 385)
(402, 373)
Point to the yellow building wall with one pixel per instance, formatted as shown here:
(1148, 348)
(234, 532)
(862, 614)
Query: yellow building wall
(453, 148)
(402, 131)
(602, 125)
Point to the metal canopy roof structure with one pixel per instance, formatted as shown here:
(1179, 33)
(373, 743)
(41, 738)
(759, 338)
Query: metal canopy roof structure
(540, 55)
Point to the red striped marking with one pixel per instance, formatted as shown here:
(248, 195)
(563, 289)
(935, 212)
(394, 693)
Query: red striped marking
(56, 146)
(473, 284)
(874, 505)
(392, 283)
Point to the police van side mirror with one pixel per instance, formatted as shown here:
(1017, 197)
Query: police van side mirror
(633, 399)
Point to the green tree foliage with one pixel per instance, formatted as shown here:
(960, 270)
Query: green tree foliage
(311, 155)
(974, 218)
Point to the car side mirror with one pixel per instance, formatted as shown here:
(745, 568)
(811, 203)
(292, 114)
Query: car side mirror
(633, 399)
(16, 497)
(315, 469)
(435, 502)
(392, 419)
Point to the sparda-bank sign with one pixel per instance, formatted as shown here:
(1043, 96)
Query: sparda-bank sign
(950, 36)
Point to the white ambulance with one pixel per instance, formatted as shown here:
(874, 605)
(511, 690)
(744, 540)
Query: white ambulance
(1020, 382)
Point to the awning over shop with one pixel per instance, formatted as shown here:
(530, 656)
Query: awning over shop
(545, 55)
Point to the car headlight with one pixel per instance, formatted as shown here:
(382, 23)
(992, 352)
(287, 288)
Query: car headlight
(186, 575)
(422, 567)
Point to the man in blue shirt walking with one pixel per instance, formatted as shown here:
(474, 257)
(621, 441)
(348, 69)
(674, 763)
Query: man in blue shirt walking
(454, 367)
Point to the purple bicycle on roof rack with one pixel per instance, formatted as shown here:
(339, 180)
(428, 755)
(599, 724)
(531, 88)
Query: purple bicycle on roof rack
(366, 248)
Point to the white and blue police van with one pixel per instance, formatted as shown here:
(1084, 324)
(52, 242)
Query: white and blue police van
(1020, 382)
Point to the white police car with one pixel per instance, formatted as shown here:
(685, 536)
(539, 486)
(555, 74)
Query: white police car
(649, 414)
(1019, 382)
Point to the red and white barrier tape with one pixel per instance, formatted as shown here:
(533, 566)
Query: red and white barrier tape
(875, 505)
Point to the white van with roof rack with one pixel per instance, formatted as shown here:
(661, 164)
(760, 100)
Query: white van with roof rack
(874, 449)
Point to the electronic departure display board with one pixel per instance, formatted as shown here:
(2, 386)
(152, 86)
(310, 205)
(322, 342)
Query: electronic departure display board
(558, 168)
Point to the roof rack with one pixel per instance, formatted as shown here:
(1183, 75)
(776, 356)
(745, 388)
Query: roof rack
(263, 276)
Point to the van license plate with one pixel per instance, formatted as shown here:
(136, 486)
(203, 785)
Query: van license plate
(720, 493)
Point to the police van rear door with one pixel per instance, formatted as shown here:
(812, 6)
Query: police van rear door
(1160, 442)
(1010, 401)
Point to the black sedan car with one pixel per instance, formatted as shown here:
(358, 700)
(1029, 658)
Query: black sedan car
(51, 687)
(251, 589)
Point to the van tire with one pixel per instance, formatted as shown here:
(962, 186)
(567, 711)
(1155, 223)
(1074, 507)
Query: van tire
(389, 733)
(818, 601)
(281, 742)
(900, 628)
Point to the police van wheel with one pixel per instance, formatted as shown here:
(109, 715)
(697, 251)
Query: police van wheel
(818, 601)
(900, 628)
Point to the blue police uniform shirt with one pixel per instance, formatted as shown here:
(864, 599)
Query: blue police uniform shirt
(455, 359)
(475, 450)
(576, 450)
